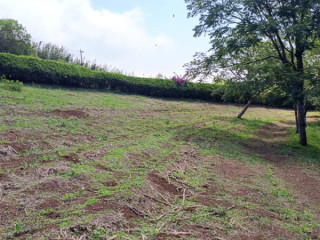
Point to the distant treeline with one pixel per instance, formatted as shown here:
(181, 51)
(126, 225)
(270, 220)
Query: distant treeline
(15, 39)
(34, 70)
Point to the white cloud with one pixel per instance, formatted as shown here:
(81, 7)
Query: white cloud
(117, 39)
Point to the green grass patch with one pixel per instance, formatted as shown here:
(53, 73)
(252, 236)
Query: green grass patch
(310, 153)
(156, 166)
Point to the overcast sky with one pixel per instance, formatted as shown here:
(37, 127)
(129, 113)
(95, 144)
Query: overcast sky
(144, 37)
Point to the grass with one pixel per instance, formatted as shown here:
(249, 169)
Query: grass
(134, 167)
(310, 153)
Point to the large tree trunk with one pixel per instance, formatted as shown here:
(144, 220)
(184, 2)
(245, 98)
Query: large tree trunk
(302, 123)
(301, 98)
(244, 109)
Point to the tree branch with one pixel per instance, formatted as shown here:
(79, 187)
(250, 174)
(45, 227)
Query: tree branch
(255, 61)
(292, 53)
(283, 48)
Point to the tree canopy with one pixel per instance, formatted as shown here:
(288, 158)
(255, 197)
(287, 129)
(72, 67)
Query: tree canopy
(14, 38)
(53, 52)
(266, 39)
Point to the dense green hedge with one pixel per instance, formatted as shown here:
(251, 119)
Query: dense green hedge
(30, 69)
(34, 70)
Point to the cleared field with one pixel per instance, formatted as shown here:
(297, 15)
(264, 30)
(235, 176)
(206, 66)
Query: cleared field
(78, 164)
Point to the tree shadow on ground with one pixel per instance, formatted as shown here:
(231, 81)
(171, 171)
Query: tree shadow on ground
(250, 137)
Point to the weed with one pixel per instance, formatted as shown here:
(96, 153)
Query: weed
(78, 212)
(18, 228)
(65, 222)
(42, 159)
(102, 138)
(69, 196)
(99, 233)
(10, 85)
(46, 211)
(167, 121)
(104, 192)
(306, 228)
(91, 201)
(220, 211)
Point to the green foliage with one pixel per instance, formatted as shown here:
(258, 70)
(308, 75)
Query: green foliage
(46, 211)
(14, 38)
(10, 85)
(237, 25)
(33, 70)
(91, 201)
(238, 28)
(264, 43)
(52, 52)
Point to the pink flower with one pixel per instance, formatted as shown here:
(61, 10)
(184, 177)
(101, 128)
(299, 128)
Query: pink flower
(178, 80)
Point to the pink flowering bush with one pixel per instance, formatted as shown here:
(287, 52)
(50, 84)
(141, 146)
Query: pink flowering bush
(179, 81)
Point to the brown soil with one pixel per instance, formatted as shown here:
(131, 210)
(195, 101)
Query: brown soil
(18, 141)
(103, 205)
(162, 184)
(304, 181)
(307, 185)
(70, 113)
(41, 187)
(18, 146)
(208, 198)
(5, 154)
(234, 170)
(11, 135)
(49, 185)
(49, 203)
(103, 168)
(16, 161)
(72, 157)
(314, 117)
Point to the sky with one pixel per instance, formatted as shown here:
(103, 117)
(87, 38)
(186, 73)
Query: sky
(140, 37)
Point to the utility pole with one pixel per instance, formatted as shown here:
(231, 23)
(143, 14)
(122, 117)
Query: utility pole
(81, 57)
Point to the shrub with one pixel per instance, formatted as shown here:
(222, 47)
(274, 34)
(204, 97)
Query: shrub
(34, 70)
(10, 85)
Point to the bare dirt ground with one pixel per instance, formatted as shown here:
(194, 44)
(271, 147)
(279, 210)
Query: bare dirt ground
(301, 177)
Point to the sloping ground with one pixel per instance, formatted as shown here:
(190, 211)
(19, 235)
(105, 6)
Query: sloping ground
(95, 165)
(301, 178)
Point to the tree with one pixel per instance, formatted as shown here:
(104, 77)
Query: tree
(14, 38)
(290, 26)
(53, 52)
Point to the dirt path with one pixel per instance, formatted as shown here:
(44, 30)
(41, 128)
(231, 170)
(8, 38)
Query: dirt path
(301, 179)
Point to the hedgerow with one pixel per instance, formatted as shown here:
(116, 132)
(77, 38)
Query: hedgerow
(29, 69)
(34, 70)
